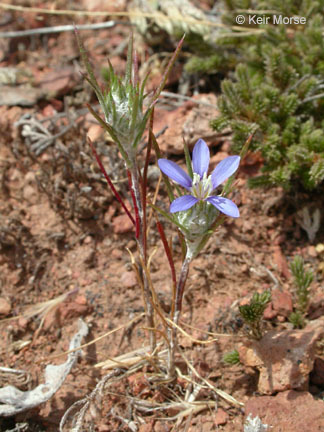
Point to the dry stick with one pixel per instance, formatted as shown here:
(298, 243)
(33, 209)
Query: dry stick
(168, 253)
(142, 244)
(176, 315)
(57, 29)
(145, 169)
(140, 14)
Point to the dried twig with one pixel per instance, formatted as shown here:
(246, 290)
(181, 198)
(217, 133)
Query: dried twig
(57, 29)
(13, 400)
(38, 136)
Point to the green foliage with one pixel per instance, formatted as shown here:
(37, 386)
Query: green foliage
(232, 357)
(122, 102)
(297, 320)
(276, 90)
(302, 280)
(252, 313)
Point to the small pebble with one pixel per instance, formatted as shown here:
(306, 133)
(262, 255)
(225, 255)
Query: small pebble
(5, 306)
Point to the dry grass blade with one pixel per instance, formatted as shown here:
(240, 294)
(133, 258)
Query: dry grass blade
(202, 342)
(40, 310)
(127, 360)
(220, 393)
(102, 336)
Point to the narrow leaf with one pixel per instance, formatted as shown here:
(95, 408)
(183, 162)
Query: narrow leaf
(129, 64)
(165, 178)
(170, 218)
(111, 132)
(167, 251)
(112, 187)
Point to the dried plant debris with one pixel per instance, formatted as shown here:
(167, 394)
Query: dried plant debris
(180, 16)
(14, 401)
(254, 424)
(309, 223)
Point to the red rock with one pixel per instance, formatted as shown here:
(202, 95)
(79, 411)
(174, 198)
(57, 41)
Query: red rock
(128, 279)
(282, 302)
(289, 411)
(284, 359)
(24, 95)
(312, 251)
(221, 417)
(95, 132)
(5, 306)
(23, 322)
(117, 253)
(161, 426)
(269, 312)
(51, 320)
(104, 428)
(58, 82)
(88, 239)
(122, 224)
(72, 309)
(148, 427)
(317, 374)
(281, 261)
(81, 300)
(138, 383)
(49, 111)
(206, 426)
(30, 194)
(190, 120)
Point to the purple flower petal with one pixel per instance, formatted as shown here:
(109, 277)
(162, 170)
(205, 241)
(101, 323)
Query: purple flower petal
(172, 170)
(200, 158)
(225, 169)
(182, 203)
(224, 205)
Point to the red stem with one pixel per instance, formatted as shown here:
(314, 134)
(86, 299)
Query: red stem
(167, 251)
(104, 172)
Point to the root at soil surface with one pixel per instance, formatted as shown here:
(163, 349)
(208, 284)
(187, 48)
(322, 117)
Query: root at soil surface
(140, 392)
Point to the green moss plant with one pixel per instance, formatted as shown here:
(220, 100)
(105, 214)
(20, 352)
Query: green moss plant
(302, 281)
(276, 90)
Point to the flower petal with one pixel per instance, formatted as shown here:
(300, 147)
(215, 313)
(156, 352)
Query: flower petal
(225, 169)
(200, 157)
(172, 170)
(182, 203)
(224, 205)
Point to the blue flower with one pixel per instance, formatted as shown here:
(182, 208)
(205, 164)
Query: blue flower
(201, 186)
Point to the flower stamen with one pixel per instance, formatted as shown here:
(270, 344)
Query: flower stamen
(201, 187)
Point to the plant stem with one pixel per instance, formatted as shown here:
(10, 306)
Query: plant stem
(176, 314)
(142, 249)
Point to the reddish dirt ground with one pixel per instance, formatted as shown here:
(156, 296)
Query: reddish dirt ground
(62, 232)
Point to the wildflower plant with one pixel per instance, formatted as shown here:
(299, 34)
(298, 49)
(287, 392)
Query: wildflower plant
(302, 280)
(128, 111)
(196, 212)
(232, 357)
(252, 313)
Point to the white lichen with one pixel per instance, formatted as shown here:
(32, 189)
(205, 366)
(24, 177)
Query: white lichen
(254, 424)
(309, 223)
